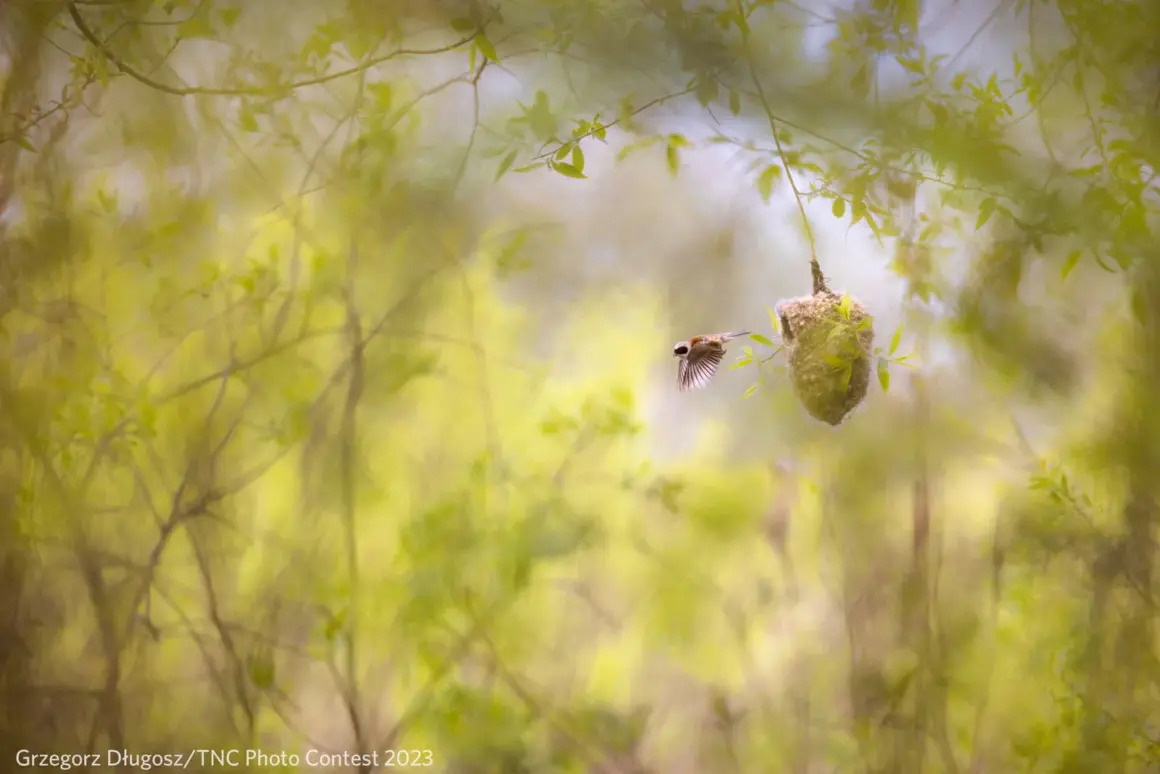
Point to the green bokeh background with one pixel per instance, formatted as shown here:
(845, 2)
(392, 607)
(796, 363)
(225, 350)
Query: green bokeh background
(325, 423)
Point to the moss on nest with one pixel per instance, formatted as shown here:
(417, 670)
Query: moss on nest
(828, 339)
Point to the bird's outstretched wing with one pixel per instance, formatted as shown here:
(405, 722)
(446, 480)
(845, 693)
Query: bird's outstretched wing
(695, 371)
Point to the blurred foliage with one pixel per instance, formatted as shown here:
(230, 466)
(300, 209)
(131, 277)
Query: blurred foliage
(325, 376)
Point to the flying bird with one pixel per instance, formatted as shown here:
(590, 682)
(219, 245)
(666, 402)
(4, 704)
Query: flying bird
(699, 358)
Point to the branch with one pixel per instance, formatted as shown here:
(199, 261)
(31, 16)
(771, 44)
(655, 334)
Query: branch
(815, 267)
(474, 122)
(349, 485)
(591, 752)
(186, 91)
(622, 119)
(60, 105)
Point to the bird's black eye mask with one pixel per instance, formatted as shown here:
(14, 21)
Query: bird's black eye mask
(681, 350)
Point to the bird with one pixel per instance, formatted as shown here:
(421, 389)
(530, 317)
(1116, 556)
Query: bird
(699, 358)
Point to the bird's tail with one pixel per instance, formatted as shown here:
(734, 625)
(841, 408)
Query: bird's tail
(735, 334)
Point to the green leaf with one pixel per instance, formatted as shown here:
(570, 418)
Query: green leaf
(24, 143)
(673, 158)
(834, 360)
(463, 25)
(625, 112)
(752, 389)
(839, 208)
(765, 182)
(334, 626)
(846, 305)
(529, 167)
(913, 65)
(1070, 263)
(633, 147)
(734, 102)
(993, 85)
(895, 340)
(261, 670)
(706, 90)
(562, 151)
(578, 158)
(382, 94)
(567, 170)
(246, 119)
(986, 209)
(958, 81)
(230, 15)
(196, 26)
(108, 202)
(861, 80)
(884, 373)
(761, 339)
(506, 164)
(485, 47)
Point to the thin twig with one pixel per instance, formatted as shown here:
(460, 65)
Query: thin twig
(819, 280)
(622, 119)
(349, 483)
(120, 64)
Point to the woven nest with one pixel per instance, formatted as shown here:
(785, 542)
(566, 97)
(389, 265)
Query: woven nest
(829, 362)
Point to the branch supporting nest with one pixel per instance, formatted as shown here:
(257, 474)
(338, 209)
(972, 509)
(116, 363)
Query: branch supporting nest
(820, 287)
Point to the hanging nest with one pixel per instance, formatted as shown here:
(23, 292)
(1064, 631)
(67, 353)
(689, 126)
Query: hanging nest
(828, 339)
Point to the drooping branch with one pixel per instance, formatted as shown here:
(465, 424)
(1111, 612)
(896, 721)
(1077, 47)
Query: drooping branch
(280, 90)
(819, 280)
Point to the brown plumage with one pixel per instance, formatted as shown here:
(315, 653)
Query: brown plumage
(699, 358)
